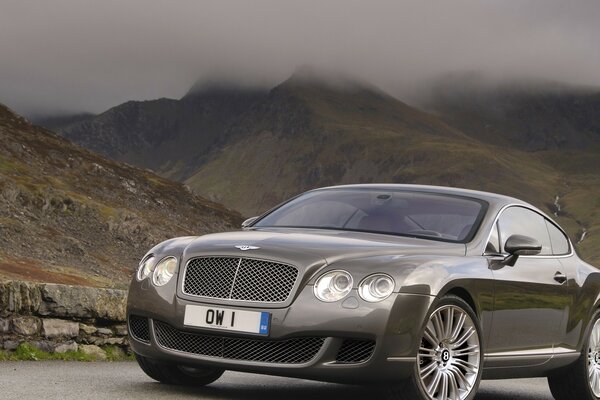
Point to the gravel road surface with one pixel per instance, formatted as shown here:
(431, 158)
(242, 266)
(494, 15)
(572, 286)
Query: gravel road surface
(124, 380)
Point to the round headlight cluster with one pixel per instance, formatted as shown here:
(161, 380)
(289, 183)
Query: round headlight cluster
(146, 267)
(333, 286)
(164, 271)
(376, 287)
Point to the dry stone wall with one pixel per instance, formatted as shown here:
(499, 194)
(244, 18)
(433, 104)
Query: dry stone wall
(60, 318)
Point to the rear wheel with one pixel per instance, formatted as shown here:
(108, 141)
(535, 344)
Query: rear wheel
(450, 355)
(581, 381)
(174, 374)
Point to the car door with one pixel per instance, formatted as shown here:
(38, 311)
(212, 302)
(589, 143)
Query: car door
(570, 330)
(530, 298)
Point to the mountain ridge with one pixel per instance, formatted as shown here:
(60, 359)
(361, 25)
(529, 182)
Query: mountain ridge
(162, 134)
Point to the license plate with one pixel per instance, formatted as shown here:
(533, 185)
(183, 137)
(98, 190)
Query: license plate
(227, 319)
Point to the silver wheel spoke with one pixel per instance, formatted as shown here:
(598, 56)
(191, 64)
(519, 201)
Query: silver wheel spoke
(428, 353)
(465, 336)
(444, 386)
(437, 324)
(459, 325)
(449, 355)
(425, 372)
(467, 366)
(433, 386)
(454, 393)
(430, 335)
(461, 380)
(467, 351)
(449, 322)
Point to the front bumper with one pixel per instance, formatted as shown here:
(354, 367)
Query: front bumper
(393, 326)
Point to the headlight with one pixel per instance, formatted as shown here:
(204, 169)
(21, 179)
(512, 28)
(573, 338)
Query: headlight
(164, 271)
(376, 287)
(333, 286)
(146, 267)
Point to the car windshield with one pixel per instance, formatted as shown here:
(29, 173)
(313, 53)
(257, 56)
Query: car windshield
(405, 213)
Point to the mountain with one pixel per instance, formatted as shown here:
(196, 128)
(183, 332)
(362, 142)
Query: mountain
(68, 215)
(536, 141)
(168, 136)
(307, 133)
(528, 114)
(55, 122)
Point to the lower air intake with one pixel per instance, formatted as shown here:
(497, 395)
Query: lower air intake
(290, 351)
(355, 351)
(139, 328)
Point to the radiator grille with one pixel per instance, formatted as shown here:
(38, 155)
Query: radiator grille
(139, 328)
(290, 351)
(355, 351)
(235, 278)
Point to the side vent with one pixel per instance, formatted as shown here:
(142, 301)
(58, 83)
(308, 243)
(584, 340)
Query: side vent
(139, 328)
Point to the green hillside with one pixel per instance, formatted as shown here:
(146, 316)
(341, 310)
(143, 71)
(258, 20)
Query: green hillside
(70, 216)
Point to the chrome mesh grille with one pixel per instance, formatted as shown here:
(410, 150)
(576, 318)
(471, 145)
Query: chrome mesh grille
(139, 328)
(355, 351)
(235, 278)
(290, 351)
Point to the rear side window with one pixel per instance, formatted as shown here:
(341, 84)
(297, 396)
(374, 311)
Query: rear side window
(522, 221)
(560, 243)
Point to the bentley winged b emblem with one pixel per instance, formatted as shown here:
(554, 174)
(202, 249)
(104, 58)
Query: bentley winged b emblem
(245, 247)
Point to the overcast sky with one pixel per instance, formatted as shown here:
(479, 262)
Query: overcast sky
(62, 55)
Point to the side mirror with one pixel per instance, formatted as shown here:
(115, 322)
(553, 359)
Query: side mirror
(248, 222)
(520, 245)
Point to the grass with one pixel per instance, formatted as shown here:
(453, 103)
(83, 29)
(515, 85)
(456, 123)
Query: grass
(114, 353)
(28, 352)
(7, 166)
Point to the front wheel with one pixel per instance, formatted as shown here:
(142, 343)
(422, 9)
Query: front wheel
(174, 374)
(449, 358)
(581, 381)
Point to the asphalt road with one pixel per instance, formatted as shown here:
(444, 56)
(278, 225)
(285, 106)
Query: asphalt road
(124, 380)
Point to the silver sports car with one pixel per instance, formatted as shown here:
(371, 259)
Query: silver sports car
(420, 290)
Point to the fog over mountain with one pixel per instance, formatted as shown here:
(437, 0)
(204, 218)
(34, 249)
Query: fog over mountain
(74, 56)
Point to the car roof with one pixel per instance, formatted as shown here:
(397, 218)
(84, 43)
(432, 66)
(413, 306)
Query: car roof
(491, 198)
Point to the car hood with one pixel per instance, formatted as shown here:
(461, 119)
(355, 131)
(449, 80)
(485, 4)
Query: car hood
(307, 248)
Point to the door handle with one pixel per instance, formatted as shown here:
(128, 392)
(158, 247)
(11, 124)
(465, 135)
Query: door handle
(560, 277)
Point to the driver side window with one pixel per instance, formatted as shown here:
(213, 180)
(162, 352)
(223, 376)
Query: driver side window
(522, 221)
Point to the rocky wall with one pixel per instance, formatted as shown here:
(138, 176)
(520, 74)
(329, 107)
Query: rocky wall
(60, 318)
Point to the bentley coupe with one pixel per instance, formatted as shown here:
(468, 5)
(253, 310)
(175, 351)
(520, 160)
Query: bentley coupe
(421, 291)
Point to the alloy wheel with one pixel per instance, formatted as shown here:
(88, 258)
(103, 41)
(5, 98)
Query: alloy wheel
(449, 355)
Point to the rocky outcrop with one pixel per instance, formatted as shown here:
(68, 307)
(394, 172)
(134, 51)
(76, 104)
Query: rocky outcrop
(61, 318)
(84, 302)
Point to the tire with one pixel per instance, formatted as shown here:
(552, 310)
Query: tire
(174, 374)
(453, 364)
(573, 383)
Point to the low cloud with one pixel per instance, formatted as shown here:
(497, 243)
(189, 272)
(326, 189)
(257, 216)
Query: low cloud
(87, 56)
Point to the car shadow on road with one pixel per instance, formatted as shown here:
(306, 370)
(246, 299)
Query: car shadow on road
(301, 391)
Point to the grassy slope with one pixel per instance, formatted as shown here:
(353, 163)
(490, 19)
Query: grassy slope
(70, 216)
(362, 136)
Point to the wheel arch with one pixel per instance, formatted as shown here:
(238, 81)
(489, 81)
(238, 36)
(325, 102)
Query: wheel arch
(463, 294)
